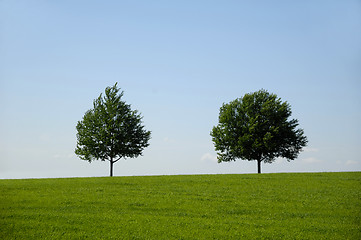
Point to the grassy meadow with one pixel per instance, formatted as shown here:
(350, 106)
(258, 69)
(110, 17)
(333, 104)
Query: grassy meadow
(247, 206)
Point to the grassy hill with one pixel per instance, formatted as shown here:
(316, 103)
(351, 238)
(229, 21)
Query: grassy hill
(249, 206)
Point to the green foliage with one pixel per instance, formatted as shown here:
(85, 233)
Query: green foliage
(257, 127)
(250, 206)
(111, 130)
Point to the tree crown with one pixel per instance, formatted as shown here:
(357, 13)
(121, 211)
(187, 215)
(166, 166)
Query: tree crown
(111, 130)
(256, 127)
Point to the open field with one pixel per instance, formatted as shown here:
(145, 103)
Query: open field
(249, 206)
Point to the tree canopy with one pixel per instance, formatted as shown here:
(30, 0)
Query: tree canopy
(257, 127)
(110, 130)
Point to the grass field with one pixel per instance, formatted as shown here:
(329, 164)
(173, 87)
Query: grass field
(249, 206)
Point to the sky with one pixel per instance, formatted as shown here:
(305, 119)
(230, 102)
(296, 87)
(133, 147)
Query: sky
(177, 63)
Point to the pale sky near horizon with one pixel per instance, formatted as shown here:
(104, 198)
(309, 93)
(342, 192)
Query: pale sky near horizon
(177, 62)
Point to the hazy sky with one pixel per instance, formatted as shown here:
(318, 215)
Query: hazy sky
(177, 62)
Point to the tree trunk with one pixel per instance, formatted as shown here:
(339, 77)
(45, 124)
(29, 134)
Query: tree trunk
(259, 166)
(111, 168)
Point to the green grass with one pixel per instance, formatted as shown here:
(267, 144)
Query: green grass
(249, 206)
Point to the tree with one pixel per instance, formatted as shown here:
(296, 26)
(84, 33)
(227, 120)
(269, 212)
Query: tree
(111, 130)
(257, 127)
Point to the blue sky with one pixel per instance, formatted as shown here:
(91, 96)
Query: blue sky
(177, 62)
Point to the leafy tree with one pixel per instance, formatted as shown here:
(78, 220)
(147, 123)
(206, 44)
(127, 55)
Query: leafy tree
(257, 127)
(111, 130)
